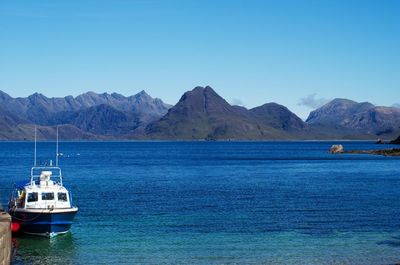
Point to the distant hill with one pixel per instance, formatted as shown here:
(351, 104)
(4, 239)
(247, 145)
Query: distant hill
(9, 126)
(349, 119)
(25, 132)
(278, 117)
(200, 114)
(100, 119)
(203, 114)
(337, 111)
(100, 115)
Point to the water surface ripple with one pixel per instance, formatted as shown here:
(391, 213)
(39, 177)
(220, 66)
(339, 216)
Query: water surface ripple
(217, 203)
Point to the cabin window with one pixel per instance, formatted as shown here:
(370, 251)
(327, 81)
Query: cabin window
(62, 196)
(47, 196)
(32, 197)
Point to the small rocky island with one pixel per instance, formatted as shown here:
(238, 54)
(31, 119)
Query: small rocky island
(339, 149)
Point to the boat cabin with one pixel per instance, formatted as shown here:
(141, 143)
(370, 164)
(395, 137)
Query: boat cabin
(44, 191)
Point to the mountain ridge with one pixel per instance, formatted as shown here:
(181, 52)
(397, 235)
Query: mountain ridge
(91, 113)
(356, 118)
(200, 114)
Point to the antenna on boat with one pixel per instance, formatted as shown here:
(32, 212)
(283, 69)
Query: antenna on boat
(34, 160)
(57, 149)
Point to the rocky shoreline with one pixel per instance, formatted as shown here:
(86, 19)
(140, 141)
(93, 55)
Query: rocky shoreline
(384, 152)
(338, 149)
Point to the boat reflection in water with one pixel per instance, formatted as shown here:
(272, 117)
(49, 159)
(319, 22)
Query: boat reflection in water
(39, 250)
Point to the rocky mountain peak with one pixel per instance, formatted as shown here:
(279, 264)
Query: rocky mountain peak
(203, 114)
(37, 95)
(4, 96)
(278, 116)
(142, 93)
(337, 110)
(117, 96)
(142, 96)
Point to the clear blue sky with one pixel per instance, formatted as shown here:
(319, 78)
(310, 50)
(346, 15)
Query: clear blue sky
(250, 52)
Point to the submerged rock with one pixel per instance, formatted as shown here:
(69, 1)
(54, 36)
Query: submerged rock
(380, 141)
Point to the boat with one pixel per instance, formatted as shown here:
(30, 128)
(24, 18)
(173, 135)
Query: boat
(42, 205)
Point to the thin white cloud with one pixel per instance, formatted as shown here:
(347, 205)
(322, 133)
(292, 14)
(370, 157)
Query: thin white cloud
(312, 101)
(396, 105)
(237, 102)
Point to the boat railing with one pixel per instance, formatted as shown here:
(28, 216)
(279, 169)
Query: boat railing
(36, 172)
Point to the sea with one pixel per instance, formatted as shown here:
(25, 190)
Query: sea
(216, 203)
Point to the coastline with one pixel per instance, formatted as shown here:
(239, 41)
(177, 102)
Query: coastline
(339, 149)
(383, 152)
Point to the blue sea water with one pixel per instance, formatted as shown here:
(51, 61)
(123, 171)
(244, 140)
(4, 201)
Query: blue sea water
(216, 203)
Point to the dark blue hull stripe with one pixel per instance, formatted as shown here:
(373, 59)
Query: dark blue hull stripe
(44, 223)
(52, 223)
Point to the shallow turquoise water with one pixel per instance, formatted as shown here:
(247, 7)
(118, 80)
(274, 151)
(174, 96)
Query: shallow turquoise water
(217, 203)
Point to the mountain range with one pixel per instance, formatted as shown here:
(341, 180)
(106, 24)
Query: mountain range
(356, 119)
(203, 114)
(200, 114)
(87, 116)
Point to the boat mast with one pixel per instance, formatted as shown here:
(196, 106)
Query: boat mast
(34, 157)
(57, 149)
